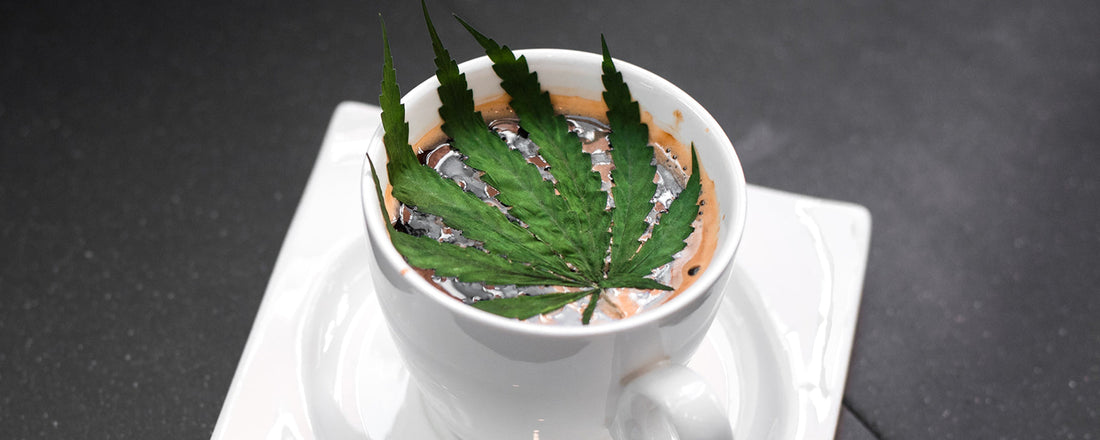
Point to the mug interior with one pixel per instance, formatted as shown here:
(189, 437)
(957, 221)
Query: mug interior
(574, 73)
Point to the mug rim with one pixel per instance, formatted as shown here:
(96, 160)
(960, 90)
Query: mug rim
(731, 227)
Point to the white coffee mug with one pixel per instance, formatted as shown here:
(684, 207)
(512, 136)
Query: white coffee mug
(485, 377)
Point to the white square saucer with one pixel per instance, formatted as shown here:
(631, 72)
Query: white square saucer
(319, 363)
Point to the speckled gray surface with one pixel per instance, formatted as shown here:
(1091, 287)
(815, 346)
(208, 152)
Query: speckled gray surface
(152, 155)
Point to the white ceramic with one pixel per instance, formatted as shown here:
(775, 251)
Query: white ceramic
(320, 363)
(483, 376)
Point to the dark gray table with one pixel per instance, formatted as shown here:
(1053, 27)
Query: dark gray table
(153, 154)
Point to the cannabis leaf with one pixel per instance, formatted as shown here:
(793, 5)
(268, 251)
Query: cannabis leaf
(634, 171)
(523, 307)
(674, 227)
(520, 185)
(420, 186)
(556, 231)
(578, 184)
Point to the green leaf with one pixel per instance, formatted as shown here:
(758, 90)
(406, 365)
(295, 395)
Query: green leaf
(472, 264)
(378, 191)
(420, 186)
(523, 307)
(522, 188)
(585, 225)
(634, 169)
(672, 228)
(467, 264)
(417, 185)
(396, 137)
(423, 188)
(593, 300)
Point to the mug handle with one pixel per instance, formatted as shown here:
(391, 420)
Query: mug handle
(671, 401)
